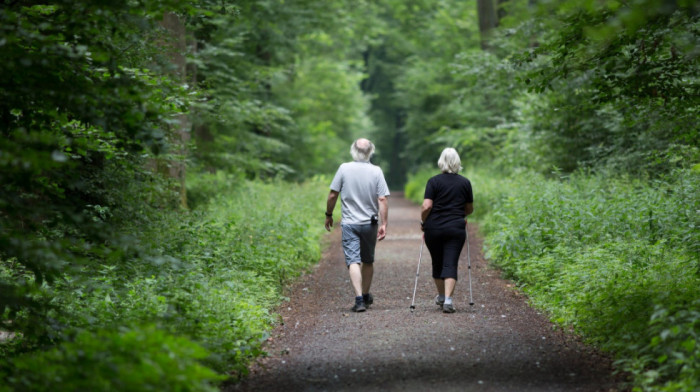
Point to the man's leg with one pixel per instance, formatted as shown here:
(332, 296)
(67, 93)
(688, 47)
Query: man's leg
(351, 248)
(356, 278)
(367, 274)
(368, 240)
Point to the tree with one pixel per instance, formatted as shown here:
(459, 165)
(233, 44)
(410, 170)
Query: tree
(83, 105)
(176, 47)
(621, 85)
(281, 93)
(488, 20)
(409, 76)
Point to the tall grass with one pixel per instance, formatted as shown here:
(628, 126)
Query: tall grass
(617, 258)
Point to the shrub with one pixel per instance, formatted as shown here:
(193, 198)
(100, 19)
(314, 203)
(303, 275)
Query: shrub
(414, 189)
(135, 359)
(211, 275)
(614, 257)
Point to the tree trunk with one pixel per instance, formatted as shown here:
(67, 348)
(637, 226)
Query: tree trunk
(488, 20)
(501, 12)
(177, 47)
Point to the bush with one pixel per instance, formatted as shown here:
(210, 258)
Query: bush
(136, 359)
(668, 359)
(211, 275)
(414, 189)
(614, 257)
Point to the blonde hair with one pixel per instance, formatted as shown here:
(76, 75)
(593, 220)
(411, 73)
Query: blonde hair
(449, 161)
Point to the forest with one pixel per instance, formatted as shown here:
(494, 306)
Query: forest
(164, 165)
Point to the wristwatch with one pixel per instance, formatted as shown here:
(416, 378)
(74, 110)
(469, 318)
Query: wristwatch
(328, 215)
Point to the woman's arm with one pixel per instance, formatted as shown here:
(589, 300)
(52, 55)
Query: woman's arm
(469, 208)
(425, 209)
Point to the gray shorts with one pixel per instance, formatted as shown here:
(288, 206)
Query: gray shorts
(358, 243)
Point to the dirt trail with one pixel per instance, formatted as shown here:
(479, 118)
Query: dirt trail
(499, 344)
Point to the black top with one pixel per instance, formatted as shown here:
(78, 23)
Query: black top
(450, 194)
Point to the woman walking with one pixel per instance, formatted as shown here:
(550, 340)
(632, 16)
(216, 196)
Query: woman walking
(448, 200)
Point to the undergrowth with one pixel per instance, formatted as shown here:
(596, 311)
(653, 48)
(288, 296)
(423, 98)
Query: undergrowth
(191, 300)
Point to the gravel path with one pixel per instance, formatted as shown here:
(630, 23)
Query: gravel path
(499, 344)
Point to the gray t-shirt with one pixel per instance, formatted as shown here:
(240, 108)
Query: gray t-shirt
(360, 185)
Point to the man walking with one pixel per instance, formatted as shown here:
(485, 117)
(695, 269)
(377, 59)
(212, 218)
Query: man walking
(365, 209)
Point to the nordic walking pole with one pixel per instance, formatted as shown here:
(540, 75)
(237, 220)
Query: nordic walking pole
(420, 256)
(469, 267)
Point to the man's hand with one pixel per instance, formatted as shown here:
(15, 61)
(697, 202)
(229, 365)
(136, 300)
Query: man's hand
(381, 233)
(330, 206)
(383, 217)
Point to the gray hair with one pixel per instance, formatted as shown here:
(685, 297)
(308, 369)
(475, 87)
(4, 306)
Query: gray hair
(362, 150)
(449, 161)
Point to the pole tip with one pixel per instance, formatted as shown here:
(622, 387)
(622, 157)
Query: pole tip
(471, 304)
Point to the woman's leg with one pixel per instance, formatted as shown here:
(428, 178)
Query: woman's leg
(440, 284)
(435, 247)
(453, 244)
(449, 287)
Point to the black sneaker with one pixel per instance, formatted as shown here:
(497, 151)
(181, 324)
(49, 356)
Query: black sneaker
(368, 299)
(448, 308)
(359, 307)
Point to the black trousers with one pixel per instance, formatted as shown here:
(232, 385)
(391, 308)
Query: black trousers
(445, 245)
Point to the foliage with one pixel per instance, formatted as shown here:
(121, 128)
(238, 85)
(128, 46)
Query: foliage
(78, 116)
(619, 84)
(415, 186)
(236, 254)
(610, 86)
(281, 96)
(137, 359)
(210, 275)
(90, 231)
(616, 258)
(410, 77)
(672, 347)
(329, 110)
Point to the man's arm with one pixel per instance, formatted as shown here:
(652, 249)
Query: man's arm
(384, 216)
(330, 206)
